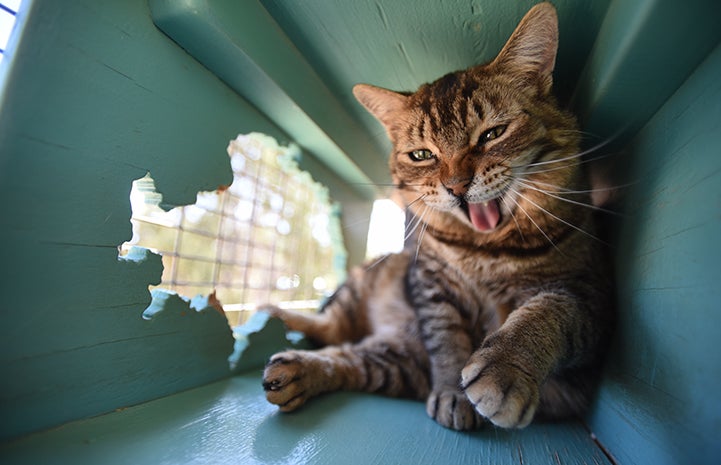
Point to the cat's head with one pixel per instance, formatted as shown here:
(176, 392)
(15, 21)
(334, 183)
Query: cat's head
(472, 143)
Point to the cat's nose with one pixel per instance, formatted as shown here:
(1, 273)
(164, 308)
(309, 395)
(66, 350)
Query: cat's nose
(458, 188)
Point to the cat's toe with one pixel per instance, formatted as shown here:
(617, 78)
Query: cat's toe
(452, 409)
(503, 393)
(283, 382)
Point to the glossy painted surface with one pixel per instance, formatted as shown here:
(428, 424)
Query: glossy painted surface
(229, 422)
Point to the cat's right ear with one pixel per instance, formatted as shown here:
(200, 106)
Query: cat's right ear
(382, 103)
(531, 49)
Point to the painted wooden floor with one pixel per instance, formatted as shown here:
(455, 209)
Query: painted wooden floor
(229, 422)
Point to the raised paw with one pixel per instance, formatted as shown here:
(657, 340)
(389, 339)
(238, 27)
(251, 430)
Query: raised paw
(502, 391)
(285, 381)
(451, 408)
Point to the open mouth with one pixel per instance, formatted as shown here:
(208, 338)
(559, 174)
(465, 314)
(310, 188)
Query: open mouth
(485, 216)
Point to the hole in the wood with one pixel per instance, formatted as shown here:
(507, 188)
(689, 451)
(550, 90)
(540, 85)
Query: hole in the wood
(271, 236)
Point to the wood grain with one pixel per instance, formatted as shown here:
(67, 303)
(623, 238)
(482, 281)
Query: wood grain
(658, 402)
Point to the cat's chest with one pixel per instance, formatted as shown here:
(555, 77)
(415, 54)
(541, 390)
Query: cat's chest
(493, 287)
(482, 271)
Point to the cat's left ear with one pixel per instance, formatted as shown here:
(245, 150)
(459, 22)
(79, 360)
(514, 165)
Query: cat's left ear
(531, 49)
(384, 104)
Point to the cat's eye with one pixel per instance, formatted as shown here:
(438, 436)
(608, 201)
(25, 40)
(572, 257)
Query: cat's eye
(491, 134)
(421, 155)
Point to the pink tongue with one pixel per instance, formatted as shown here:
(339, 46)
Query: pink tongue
(484, 216)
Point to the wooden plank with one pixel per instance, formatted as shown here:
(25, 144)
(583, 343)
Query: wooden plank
(230, 422)
(179, 349)
(658, 403)
(401, 44)
(242, 45)
(65, 297)
(96, 97)
(80, 346)
(644, 51)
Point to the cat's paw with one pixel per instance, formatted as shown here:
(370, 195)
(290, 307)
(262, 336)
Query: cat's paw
(285, 381)
(502, 391)
(452, 409)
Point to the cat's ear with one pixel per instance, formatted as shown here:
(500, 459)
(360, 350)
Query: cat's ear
(531, 49)
(382, 103)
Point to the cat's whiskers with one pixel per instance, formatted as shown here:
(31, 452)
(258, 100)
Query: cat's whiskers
(411, 227)
(416, 200)
(544, 210)
(574, 158)
(415, 222)
(528, 184)
(515, 220)
(583, 153)
(378, 261)
(352, 224)
(420, 236)
(566, 190)
(366, 219)
(518, 205)
(576, 155)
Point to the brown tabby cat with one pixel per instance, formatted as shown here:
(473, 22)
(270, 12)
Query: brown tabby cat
(502, 310)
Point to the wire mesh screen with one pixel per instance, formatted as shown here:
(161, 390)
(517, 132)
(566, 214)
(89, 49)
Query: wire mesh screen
(8, 11)
(271, 236)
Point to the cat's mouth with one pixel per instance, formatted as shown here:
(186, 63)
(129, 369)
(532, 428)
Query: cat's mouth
(484, 216)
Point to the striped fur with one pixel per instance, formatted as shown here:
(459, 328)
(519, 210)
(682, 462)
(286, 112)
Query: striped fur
(502, 310)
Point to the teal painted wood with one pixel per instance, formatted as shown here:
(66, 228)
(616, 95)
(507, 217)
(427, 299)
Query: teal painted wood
(659, 403)
(229, 422)
(242, 45)
(259, 338)
(644, 51)
(98, 96)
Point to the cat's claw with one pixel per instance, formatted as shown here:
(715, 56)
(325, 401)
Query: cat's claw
(502, 392)
(284, 381)
(452, 409)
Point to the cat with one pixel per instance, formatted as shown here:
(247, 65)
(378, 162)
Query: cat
(502, 310)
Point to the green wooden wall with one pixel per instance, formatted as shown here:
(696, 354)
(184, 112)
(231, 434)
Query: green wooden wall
(98, 96)
(659, 401)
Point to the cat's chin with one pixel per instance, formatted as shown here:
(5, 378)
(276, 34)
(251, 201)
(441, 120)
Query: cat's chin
(484, 216)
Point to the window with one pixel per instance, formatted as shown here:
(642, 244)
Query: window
(272, 236)
(387, 229)
(8, 12)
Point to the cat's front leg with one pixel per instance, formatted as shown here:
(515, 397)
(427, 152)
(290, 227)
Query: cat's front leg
(448, 349)
(503, 378)
(389, 364)
(444, 331)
